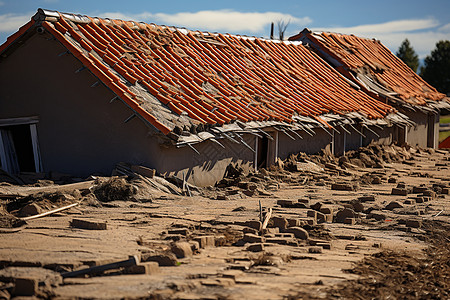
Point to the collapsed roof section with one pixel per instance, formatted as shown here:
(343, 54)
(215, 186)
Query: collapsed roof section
(374, 67)
(183, 81)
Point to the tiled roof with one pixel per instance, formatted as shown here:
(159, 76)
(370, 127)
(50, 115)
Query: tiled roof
(371, 56)
(213, 78)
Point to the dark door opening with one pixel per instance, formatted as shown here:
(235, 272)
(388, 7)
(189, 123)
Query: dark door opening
(263, 146)
(431, 138)
(18, 148)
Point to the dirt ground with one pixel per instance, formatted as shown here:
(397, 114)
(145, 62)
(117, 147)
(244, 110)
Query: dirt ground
(371, 225)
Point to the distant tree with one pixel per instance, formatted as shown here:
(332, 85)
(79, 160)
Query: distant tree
(437, 67)
(408, 55)
(282, 26)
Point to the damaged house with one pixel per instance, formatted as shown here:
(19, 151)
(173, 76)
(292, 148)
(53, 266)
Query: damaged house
(381, 74)
(80, 94)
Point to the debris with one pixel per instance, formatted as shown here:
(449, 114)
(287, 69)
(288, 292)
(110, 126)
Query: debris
(132, 261)
(50, 212)
(85, 224)
(114, 188)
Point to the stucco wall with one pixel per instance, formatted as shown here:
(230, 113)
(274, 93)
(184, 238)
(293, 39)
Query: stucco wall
(309, 144)
(386, 135)
(80, 132)
(417, 135)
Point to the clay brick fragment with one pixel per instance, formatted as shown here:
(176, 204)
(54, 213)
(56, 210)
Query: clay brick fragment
(298, 232)
(399, 191)
(148, 268)
(413, 223)
(256, 247)
(25, 287)
(280, 222)
(182, 249)
(315, 250)
(252, 238)
(85, 224)
(205, 241)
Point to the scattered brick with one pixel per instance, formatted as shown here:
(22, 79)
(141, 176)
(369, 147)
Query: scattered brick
(344, 214)
(25, 287)
(350, 221)
(85, 224)
(342, 187)
(253, 224)
(315, 250)
(182, 249)
(392, 205)
(256, 247)
(182, 231)
(413, 223)
(168, 259)
(205, 241)
(280, 222)
(252, 238)
(399, 191)
(148, 268)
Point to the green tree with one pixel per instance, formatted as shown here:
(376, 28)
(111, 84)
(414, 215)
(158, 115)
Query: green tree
(436, 70)
(407, 54)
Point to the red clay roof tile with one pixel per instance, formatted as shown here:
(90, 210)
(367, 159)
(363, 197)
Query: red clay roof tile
(356, 53)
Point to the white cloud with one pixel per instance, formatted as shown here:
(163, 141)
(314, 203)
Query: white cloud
(215, 20)
(422, 33)
(2, 3)
(11, 22)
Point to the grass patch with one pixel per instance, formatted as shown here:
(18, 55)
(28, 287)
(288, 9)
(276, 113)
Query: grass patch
(443, 135)
(444, 119)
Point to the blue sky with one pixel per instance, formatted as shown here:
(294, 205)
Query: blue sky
(423, 22)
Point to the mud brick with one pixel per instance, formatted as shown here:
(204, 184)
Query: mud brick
(174, 237)
(315, 250)
(298, 232)
(252, 186)
(280, 222)
(310, 221)
(144, 171)
(342, 187)
(182, 249)
(399, 191)
(316, 206)
(205, 241)
(148, 268)
(413, 223)
(250, 230)
(222, 197)
(232, 191)
(293, 222)
(182, 231)
(366, 198)
(350, 221)
(376, 245)
(85, 224)
(243, 185)
(25, 287)
(445, 191)
(256, 247)
(252, 238)
(254, 224)
(286, 203)
(419, 189)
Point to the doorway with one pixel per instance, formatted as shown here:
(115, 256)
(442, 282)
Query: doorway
(19, 149)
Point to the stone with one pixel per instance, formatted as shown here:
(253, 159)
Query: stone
(195, 246)
(351, 247)
(182, 231)
(326, 210)
(350, 221)
(249, 230)
(280, 222)
(271, 230)
(205, 241)
(298, 232)
(392, 205)
(168, 259)
(148, 268)
(286, 203)
(233, 274)
(419, 189)
(312, 214)
(293, 222)
(255, 247)
(304, 201)
(376, 245)
(25, 287)
(344, 214)
(248, 193)
(342, 187)
(430, 193)
(182, 249)
(252, 238)
(409, 201)
(401, 185)
(253, 224)
(85, 224)
(282, 241)
(321, 218)
(379, 216)
(30, 209)
(222, 197)
(445, 191)
(315, 250)
(324, 245)
(357, 206)
(413, 223)
(367, 198)
(316, 206)
(392, 180)
(399, 191)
